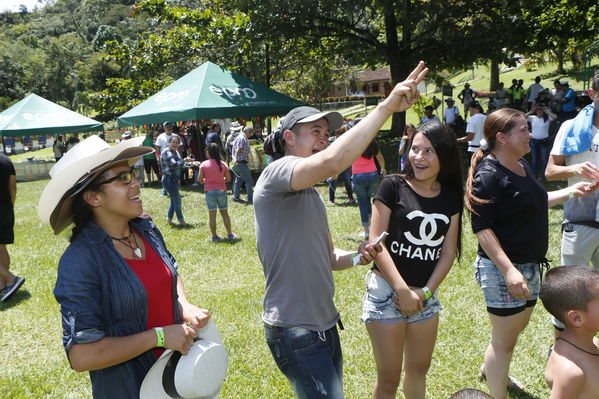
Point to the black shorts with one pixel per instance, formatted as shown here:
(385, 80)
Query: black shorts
(7, 223)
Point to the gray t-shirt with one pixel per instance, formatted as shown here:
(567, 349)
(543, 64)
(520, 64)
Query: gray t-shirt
(292, 235)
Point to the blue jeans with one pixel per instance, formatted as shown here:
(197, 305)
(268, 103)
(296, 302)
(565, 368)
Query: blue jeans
(171, 185)
(346, 177)
(539, 151)
(311, 360)
(364, 185)
(242, 173)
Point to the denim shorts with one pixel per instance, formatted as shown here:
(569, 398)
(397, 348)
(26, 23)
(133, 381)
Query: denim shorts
(378, 304)
(216, 199)
(495, 290)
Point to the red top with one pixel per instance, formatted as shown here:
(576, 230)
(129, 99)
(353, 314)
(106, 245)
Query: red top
(214, 178)
(158, 282)
(363, 165)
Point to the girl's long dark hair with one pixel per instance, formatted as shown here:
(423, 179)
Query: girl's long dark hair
(450, 170)
(371, 150)
(214, 153)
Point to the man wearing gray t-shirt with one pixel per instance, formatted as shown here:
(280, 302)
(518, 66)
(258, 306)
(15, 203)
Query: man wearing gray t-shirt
(294, 242)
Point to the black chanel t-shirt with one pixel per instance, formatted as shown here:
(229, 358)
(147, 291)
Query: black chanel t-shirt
(517, 213)
(417, 227)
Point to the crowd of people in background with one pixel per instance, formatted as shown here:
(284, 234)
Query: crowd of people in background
(419, 211)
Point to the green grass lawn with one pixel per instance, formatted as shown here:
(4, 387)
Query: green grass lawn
(227, 278)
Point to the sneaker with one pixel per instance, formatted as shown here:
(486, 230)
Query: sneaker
(364, 235)
(11, 289)
(351, 200)
(331, 202)
(216, 238)
(196, 184)
(237, 200)
(169, 222)
(231, 236)
(184, 224)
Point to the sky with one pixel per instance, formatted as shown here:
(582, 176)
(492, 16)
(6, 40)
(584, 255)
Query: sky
(13, 5)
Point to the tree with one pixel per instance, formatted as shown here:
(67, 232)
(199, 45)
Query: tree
(560, 26)
(104, 34)
(447, 34)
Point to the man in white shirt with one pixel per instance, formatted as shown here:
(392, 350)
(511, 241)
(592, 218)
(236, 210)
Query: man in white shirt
(533, 92)
(163, 138)
(580, 239)
(450, 112)
(474, 129)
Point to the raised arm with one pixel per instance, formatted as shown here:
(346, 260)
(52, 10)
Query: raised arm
(347, 148)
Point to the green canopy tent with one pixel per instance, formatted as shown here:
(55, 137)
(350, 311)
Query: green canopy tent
(209, 92)
(35, 115)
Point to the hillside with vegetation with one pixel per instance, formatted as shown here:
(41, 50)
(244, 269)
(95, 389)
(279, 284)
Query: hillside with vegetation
(102, 57)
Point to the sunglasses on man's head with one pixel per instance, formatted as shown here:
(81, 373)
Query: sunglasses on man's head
(126, 177)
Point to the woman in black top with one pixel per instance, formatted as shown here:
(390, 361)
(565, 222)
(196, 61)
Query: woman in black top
(421, 210)
(510, 219)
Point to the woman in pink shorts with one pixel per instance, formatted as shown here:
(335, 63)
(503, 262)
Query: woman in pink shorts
(214, 174)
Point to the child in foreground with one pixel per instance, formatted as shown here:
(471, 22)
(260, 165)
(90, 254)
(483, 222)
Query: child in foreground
(571, 294)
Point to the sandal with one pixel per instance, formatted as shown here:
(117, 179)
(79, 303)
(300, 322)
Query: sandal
(512, 383)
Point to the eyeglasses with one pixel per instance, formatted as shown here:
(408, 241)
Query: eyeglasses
(126, 177)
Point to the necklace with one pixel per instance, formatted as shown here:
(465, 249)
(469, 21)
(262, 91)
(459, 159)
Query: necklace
(127, 242)
(580, 349)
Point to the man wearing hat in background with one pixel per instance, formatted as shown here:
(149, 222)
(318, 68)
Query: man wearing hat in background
(234, 131)
(429, 116)
(294, 241)
(466, 96)
(9, 283)
(240, 152)
(474, 128)
(450, 112)
(568, 101)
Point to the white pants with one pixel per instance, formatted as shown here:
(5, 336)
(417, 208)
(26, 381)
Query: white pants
(580, 245)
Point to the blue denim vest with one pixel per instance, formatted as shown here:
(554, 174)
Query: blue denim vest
(100, 296)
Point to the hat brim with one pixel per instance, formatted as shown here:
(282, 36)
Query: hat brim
(54, 206)
(335, 119)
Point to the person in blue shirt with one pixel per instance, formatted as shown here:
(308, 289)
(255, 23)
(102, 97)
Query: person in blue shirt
(568, 102)
(121, 298)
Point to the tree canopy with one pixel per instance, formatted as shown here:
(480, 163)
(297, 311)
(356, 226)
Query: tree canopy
(105, 56)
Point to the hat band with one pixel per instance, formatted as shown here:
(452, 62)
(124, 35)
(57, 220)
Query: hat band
(168, 376)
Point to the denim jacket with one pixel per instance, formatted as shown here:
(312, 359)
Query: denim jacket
(100, 296)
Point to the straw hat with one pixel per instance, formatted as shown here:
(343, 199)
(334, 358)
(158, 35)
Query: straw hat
(197, 375)
(76, 169)
(235, 127)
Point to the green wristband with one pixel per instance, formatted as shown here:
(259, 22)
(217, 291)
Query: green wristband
(427, 292)
(159, 337)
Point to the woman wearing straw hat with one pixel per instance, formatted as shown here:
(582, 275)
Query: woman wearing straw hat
(117, 284)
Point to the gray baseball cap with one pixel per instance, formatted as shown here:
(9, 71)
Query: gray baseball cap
(309, 114)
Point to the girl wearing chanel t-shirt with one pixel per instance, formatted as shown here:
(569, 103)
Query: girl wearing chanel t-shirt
(421, 210)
